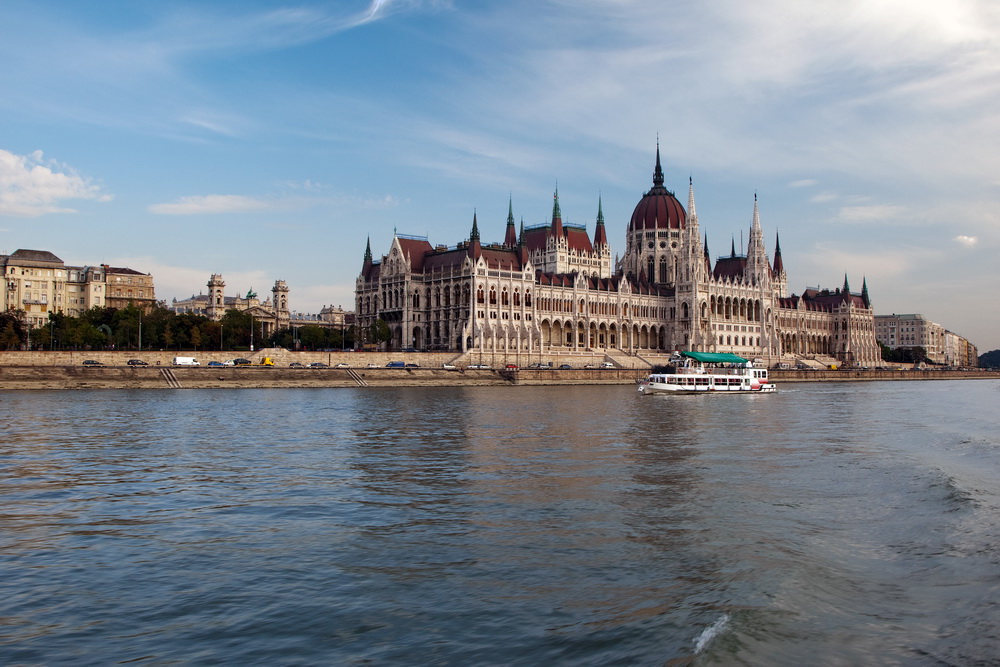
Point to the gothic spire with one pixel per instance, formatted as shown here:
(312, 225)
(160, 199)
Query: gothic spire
(864, 292)
(847, 287)
(779, 266)
(600, 234)
(475, 249)
(510, 238)
(658, 172)
(368, 250)
(557, 228)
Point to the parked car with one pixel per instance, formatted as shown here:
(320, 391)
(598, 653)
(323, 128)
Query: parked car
(318, 364)
(372, 366)
(215, 364)
(481, 367)
(607, 364)
(242, 362)
(396, 364)
(565, 367)
(296, 364)
(413, 365)
(91, 362)
(136, 362)
(511, 367)
(342, 365)
(448, 367)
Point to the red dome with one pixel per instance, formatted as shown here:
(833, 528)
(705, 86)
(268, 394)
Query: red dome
(658, 208)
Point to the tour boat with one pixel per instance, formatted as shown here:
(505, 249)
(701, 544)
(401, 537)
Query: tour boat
(708, 372)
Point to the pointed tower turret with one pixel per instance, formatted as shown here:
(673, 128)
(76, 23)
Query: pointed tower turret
(368, 253)
(758, 271)
(510, 238)
(864, 292)
(475, 248)
(658, 170)
(847, 287)
(779, 266)
(691, 254)
(557, 228)
(600, 234)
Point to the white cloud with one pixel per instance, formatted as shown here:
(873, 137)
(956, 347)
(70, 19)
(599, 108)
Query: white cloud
(804, 183)
(31, 186)
(967, 241)
(197, 205)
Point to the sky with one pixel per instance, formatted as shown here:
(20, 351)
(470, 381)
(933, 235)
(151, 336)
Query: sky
(269, 140)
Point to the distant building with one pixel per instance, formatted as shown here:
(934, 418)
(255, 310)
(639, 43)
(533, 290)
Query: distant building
(274, 314)
(553, 288)
(39, 283)
(914, 330)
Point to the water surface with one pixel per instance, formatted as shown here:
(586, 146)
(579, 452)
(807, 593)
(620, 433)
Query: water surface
(840, 524)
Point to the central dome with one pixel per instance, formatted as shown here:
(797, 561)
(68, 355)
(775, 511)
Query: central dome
(658, 208)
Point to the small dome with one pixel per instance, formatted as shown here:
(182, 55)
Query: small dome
(658, 208)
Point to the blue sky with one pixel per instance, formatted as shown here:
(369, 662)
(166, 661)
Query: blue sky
(269, 140)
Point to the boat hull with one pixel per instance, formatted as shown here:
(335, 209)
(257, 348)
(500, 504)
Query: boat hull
(650, 388)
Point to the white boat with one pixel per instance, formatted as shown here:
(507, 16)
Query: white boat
(708, 372)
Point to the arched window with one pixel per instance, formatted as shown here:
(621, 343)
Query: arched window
(663, 270)
(480, 296)
(493, 296)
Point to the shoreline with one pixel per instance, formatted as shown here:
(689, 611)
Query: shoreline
(57, 377)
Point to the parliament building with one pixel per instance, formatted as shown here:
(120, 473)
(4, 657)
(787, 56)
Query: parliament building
(552, 288)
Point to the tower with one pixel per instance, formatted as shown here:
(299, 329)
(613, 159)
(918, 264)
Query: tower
(279, 302)
(216, 297)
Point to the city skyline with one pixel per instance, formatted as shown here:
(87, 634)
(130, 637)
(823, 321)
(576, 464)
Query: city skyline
(270, 142)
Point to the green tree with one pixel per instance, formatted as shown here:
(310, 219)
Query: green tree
(13, 328)
(379, 332)
(9, 338)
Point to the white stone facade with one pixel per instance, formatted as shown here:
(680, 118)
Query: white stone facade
(553, 289)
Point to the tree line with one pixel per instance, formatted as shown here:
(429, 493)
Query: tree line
(159, 328)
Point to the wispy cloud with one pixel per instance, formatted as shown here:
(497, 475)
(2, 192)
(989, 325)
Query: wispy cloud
(31, 186)
(967, 241)
(199, 205)
(870, 213)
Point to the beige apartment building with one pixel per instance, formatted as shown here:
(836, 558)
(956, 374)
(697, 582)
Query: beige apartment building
(38, 282)
(914, 330)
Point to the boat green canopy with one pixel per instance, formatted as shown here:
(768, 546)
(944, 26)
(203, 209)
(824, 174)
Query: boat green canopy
(716, 357)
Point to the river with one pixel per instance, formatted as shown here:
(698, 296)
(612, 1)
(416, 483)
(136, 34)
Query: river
(829, 523)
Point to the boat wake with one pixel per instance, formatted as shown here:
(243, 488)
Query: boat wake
(710, 633)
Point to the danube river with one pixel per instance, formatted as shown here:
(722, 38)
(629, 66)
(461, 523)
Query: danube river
(830, 523)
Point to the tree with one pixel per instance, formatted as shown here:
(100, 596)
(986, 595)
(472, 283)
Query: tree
(379, 332)
(13, 328)
(990, 359)
(9, 338)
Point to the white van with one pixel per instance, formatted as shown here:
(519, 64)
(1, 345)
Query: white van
(185, 361)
